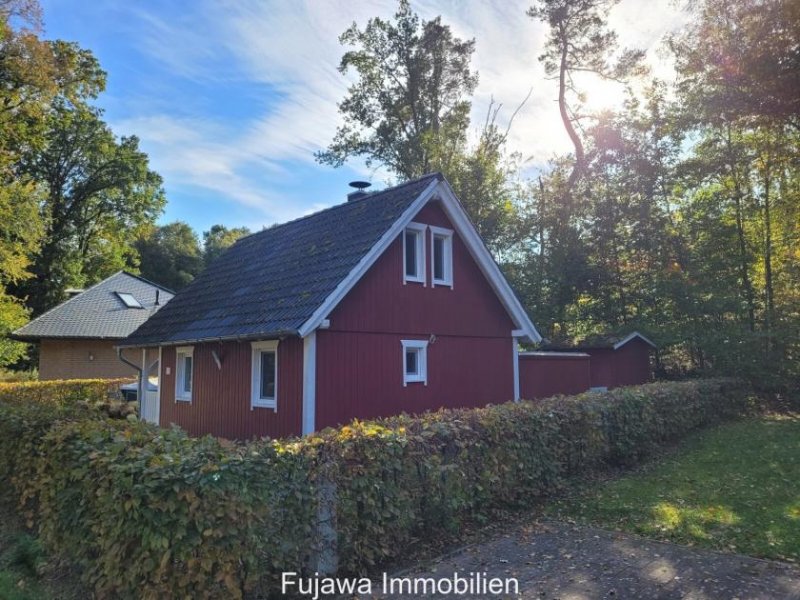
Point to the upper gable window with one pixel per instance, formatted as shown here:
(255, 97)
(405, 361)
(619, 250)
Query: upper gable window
(414, 253)
(129, 300)
(442, 256)
(184, 372)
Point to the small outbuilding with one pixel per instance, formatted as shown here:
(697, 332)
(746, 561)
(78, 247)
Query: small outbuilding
(77, 338)
(616, 361)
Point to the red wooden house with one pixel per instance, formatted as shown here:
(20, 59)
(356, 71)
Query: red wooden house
(387, 303)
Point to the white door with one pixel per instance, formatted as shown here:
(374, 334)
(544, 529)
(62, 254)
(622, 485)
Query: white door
(150, 406)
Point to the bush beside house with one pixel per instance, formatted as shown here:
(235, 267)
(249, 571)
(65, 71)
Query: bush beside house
(151, 512)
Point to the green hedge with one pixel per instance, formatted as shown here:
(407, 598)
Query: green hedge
(61, 392)
(153, 513)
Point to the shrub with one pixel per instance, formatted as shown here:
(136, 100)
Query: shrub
(151, 512)
(61, 392)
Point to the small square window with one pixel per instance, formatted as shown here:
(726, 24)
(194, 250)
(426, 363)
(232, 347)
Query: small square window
(415, 361)
(184, 373)
(442, 256)
(264, 392)
(414, 253)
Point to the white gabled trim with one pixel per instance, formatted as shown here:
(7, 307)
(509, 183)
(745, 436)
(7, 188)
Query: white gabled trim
(422, 242)
(515, 347)
(309, 383)
(366, 261)
(633, 336)
(458, 217)
(447, 234)
(255, 374)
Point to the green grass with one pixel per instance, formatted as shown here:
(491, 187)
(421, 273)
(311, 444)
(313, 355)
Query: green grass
(733, 488)
(26, 573)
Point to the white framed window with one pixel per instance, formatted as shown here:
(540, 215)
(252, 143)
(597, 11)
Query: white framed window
(184, 373)
(414, 253)
(415, 361)
(442, 256)
(264, 387)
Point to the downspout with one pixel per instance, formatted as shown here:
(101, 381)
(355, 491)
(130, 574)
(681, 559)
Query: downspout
(139, 386)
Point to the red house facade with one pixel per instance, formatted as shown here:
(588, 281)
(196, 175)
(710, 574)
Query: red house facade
(388, 303)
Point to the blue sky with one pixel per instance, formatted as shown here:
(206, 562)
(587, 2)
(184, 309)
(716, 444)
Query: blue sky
(231, 100)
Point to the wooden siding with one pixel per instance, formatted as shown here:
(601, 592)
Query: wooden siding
(545, 376)
(221, 397)
(629, 365)
(360, 375)
(360, 358)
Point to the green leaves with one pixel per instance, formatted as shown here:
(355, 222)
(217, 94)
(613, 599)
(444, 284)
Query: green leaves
(153, 513)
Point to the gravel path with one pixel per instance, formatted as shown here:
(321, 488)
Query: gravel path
(555, 560)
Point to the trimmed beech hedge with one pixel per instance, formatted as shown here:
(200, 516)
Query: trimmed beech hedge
(61, 392)
(150, 513)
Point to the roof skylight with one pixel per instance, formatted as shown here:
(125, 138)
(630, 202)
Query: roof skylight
(128, 300)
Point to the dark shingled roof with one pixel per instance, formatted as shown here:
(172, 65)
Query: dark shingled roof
(98, 313)
(271, 282)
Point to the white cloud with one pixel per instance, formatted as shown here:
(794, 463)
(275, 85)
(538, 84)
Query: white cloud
(290, 47)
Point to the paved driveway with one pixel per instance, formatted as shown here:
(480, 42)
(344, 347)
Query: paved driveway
(554, 560)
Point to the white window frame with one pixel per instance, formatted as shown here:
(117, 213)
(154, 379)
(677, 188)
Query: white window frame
(256, 401)
(181, 353)
(422, 361)
(419, 230)
(447, 235)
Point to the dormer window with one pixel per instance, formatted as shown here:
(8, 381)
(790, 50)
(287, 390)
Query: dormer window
(414, 253)
(442, 256)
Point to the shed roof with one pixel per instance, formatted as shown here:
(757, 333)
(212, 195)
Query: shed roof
(597, 342)
(99, 312)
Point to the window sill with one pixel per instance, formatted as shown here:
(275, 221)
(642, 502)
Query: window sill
(183, 399)
(264, 404)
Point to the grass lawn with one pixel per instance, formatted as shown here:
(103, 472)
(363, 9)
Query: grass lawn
(25, 572)
(734, 488)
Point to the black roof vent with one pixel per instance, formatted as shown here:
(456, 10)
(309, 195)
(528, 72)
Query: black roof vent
(360, 190)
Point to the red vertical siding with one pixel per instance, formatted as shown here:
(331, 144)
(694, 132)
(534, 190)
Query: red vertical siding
(629, 365)
(360, 358)
(360, 375)
(221, 397)
(632, 363)
(544, 376)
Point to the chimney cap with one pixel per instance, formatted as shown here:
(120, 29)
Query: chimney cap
(360, 190)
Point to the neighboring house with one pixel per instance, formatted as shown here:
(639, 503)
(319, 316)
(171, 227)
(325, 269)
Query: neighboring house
(615, 361)
(77, 338)
(385, 304)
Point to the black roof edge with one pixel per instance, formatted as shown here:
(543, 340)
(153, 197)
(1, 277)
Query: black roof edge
(233, 338)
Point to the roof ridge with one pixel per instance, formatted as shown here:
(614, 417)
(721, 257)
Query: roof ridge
(368, 195)
(147, 281)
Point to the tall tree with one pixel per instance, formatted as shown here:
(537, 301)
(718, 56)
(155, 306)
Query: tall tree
(218, 239)
(170, 255)
(99, 190)
(580, 41)
(411, 97)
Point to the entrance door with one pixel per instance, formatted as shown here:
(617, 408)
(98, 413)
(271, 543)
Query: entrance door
(150, 406)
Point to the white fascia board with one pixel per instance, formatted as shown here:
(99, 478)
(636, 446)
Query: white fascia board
(632, 336)
(462, 224)
(366, 262)
(458, 216)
